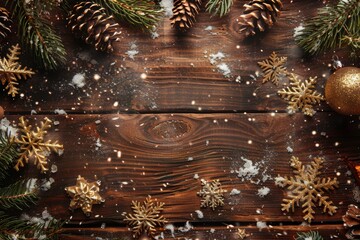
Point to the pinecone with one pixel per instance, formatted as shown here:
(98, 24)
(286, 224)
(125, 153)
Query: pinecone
(5, 23)
(259, 15)
(352, 221)
(90, 21)
(185, 12)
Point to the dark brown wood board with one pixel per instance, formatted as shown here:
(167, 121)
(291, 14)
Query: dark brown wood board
(184, 119)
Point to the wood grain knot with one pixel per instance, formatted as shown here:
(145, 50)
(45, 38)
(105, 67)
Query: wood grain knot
(170, 129)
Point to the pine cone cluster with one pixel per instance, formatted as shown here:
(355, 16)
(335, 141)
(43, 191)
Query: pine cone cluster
(259, 15)
(90, 21)
(5, 23)
(352, 221)
(184, 13)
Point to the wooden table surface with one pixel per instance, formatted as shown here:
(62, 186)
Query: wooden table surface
(184, 118)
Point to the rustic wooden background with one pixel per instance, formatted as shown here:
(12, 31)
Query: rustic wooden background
(186, 118)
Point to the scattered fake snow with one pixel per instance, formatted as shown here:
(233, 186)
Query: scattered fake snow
(31, 185)
(249, 170)
(133, 51)
(213, 58)
(298, 30)
(199, 213)
(186, 228)
(167, 5)
(98, 144)
(60, 111)
(5, 126)
(356, 194)
(262, 192)
(234, 191)
(224, 69)
(209, 28)
(261, 225)
(289, 149)
(46, 184)
(78, 80)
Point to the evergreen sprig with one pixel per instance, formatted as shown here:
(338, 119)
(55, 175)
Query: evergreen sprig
(24, 230)
(333, 27)
(144, 14)
(17, 195)
(7, 154)
(219, 7)
(37, 35)
(313, 235)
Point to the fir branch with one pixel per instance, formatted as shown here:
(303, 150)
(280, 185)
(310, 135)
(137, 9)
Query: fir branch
(24, 230)
(331, 28)
(219, 7)
(144, 14)
(314, 235)
(7, 154)
(37, 36)
(17, 195)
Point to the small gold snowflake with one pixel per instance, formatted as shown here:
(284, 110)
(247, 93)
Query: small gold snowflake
(11, 71)
(307, 188)
(212, 194)
(84, 194)
(301, 95)
(146, 217)
(241, 233)
(32, 144)
(273, 68)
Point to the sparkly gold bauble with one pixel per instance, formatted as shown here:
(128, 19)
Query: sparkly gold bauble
(342, 91)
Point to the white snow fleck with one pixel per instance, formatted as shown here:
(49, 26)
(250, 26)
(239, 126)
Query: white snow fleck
(298, 30)
(199, 213)
(224, 69)
(167, 5)
(289, 149)
(46, 184)
(186, 228)
(235, 191)
(261, 225)
(33, 112)
(78, 80)
(262, 192)
(248, 171)
(97, 121)
(209, 28)
(60, 111)
(53, 168)
(215, 57)
(212, 230)
(133, 51)
(279, 181)
(6, 127)
(190, 158)
(171, 228)
(98, 144)
(196, 176)
(31, 184)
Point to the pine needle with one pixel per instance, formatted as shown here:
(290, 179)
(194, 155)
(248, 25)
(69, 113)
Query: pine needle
(333, 27)
(17, 196)
(144, 14)
(219, 7)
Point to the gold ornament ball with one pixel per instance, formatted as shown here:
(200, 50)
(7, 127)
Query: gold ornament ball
(342, 91)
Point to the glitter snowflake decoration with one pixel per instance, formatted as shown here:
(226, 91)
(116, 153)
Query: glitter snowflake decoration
(146, 217)
(11, 71)
(32, 144)
(212, 194)
(307, 188)
(301, 95)
(273, 68)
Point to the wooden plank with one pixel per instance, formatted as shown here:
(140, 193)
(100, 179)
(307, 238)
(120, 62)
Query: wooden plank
(160, 154)
(180, 77)
(211, 233)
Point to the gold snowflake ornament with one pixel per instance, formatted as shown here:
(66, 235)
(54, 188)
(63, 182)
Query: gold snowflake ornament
(212, 194)
(273, 68)
(301, 95)
(146, 217)
(84, 195)
(32, 144)
(11, 71)
(241, 233)
(307, 188)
